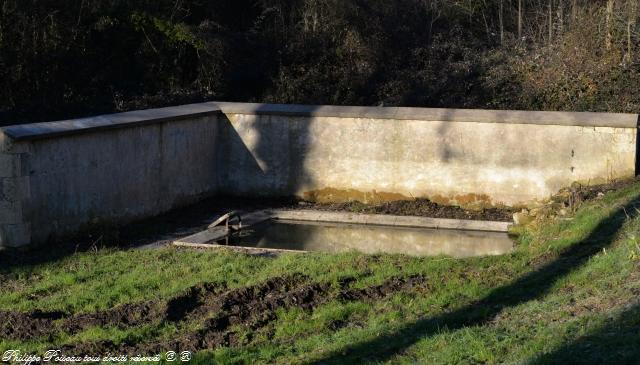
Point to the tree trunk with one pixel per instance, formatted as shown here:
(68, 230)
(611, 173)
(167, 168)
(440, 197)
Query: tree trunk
(550, 21)
(608, 40)
(501, 20)
(519, 19)
(486, 27)
(561, 17)
(631, 23)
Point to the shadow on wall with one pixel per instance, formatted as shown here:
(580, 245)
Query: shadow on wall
(252, 159)
(532, 286)
(271, 155)
(263, 155)
(446, 152)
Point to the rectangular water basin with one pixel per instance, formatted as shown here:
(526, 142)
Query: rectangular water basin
(295, 235)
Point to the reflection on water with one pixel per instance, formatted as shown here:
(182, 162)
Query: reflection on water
(335, 237)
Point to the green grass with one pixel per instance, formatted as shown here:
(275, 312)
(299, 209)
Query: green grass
(568, 294)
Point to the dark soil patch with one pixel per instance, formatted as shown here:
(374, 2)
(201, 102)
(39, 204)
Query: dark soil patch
(236, 299)
(418, 207)
(127, 315)
(195, 303)
(181, 306)
(337, 325)
(390, 286)
(130, 315)
(577, 193)
(252, 307)
(24, 326)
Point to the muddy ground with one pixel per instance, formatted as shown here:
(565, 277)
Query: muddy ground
(418, 207)
(213, 309)
(578, 193)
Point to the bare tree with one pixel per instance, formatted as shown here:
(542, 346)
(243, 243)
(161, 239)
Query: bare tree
(631, 22)
(501, 21)
(560, 17)
(435, 14)
(519, 19)
(550, 21)
(608, 41)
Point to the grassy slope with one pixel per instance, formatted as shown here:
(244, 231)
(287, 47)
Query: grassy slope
(569, 293)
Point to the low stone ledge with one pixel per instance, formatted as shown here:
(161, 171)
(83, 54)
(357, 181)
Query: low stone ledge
(390, 220)
(34, 131)
(586, 119)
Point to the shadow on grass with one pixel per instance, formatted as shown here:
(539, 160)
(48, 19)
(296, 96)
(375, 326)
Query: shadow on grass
(617, 342)
(160, 229)
(531, 286)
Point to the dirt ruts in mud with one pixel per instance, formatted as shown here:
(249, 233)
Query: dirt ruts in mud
(196, 301)
(126, 315)
(25, 326)
(390, 286)
(252, 307)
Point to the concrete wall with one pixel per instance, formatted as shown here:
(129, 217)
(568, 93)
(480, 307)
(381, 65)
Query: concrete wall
(58, 176)
(474, 158)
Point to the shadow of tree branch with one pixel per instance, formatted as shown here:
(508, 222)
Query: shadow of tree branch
(533, 285)
(614, 343)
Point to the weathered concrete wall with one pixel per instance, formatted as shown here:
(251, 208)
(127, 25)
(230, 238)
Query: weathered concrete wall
(55, 180)
(470, 158)
(58, 176)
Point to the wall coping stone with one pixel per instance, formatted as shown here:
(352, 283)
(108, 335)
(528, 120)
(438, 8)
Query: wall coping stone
(34, 131)
(586, 119)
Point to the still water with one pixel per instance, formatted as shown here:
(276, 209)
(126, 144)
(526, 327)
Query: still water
(337, 237)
